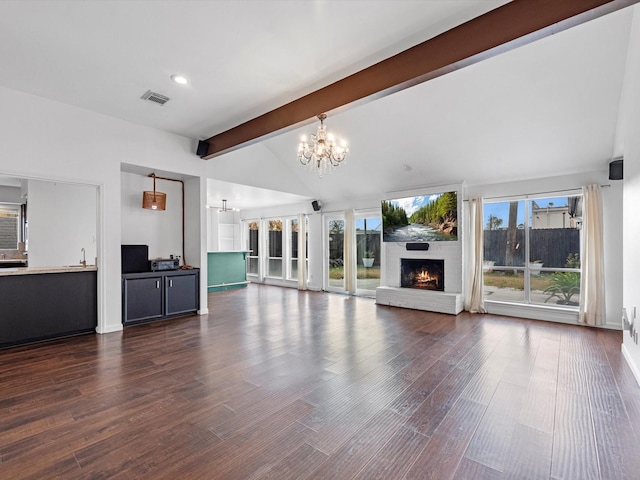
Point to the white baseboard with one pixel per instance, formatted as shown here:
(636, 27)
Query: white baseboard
(109, 329)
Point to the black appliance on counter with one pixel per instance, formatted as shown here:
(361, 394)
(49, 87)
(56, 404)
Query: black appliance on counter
(161, 264)
(135, 258)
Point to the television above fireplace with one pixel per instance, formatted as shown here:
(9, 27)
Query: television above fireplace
(420, 218)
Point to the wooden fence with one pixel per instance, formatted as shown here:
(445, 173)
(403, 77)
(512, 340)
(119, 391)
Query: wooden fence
(551, 246)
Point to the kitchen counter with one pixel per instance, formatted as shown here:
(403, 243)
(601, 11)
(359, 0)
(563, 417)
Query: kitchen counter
(39, 270)
(44, 303)
(227, 270)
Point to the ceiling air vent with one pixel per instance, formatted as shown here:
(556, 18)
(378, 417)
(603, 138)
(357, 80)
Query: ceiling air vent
(155, 97)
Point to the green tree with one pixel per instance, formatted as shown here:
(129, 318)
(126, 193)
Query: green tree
(442, 209)
(393, 216)
(493, 222)
(336, 226)
(275, 225)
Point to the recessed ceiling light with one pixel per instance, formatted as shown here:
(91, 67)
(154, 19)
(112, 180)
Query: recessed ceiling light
(179, 79)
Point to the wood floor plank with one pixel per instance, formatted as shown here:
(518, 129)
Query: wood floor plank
(439, 460)
(395, 458)
(360, 448)
(491, 441)
(445, 449)
(574, 446)
(617, 447)
(436, 406)
(275, 383)
(529, 454)
(410, 400)
(470, 470)
(295, 466)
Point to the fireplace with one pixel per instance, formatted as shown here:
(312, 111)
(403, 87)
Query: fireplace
(422, 273)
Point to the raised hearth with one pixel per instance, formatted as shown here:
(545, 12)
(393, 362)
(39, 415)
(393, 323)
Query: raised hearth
(418, 299)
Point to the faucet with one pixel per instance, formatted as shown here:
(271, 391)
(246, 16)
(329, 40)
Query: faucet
(83, 262)
(3, 256)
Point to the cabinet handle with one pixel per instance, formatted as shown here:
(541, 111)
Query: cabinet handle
(157, 283)
(170, 283)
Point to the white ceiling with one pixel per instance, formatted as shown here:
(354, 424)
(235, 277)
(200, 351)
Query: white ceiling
(547, 108)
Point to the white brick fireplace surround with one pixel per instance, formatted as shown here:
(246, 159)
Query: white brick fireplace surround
(450, 301)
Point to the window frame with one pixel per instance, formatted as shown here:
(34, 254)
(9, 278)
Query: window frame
(527, 199)
(263, 258)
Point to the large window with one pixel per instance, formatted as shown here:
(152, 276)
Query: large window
(9, 226)
(532, 251)
(274, 248)
(368, 252)
(334, 244)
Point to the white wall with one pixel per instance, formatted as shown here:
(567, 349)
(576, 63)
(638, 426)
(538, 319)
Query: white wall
(195, 223)
(223, 230)
(83, 147)
(630, 133)
(160, 230)
(62, 221)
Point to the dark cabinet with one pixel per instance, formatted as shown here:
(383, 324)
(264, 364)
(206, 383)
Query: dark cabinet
(181, 293)
(156, 295)
(42, 306)
(142, 298)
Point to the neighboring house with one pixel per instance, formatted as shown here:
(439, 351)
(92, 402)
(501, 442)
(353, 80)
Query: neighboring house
(554, 217)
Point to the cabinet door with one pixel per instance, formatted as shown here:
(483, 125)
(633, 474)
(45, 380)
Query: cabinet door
(181, 293)
(142, 298)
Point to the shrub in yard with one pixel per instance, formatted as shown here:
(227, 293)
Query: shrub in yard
(563, 286)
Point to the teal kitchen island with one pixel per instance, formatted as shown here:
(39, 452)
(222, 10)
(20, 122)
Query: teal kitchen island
(226, 270)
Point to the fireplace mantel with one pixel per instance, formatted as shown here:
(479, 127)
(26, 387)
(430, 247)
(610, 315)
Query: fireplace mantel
(432, 301)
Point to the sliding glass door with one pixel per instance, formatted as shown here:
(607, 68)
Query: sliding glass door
(368, 252)
(334, 270)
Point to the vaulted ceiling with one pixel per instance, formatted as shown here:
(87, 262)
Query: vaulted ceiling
(546, 108)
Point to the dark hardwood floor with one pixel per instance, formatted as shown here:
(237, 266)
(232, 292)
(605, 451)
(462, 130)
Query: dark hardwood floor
(278, 384)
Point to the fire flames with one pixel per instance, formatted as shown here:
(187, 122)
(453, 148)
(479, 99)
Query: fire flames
(427, 279)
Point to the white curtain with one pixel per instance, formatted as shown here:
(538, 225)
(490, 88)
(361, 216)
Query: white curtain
(592, 303)
(302, 252)
(474, 294)
(349, 254)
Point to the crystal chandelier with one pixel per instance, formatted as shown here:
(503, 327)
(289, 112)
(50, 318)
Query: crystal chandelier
(322, 153)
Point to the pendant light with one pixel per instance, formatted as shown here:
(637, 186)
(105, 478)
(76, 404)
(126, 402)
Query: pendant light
(154, 200)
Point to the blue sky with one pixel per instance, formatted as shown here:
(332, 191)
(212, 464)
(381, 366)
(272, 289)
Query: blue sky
(501, 209)
(412, 204)
(373, 223)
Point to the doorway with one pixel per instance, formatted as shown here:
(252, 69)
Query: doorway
(334, 267)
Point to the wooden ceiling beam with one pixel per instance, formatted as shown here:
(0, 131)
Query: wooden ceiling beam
(494, 32)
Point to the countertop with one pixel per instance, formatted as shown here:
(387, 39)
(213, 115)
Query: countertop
(231, 251)
(38, 270)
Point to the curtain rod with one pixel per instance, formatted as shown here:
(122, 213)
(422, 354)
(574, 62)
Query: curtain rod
(538, 193)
